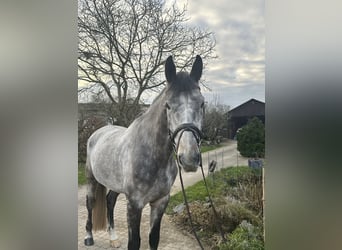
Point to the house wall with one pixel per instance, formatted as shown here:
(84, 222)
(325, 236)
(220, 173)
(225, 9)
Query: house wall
(240, 115)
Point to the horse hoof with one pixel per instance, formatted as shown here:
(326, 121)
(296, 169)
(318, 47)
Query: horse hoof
(115, 243)
(88, 241)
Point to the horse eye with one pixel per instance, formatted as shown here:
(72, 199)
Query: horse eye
(167, 106)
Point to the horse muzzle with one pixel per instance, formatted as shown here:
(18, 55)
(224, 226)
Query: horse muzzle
(188, 153)
(189, 162)
(186, 140)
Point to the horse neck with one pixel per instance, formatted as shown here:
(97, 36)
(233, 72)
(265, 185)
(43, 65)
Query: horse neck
(152, 126)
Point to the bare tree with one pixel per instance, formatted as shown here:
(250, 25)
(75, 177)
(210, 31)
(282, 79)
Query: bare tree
(215, 119)
(123, 44)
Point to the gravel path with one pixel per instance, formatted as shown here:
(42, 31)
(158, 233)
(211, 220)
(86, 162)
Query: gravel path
(171, 238)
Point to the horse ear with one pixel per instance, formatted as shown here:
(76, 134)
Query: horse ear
(196, 71)
(170, 70)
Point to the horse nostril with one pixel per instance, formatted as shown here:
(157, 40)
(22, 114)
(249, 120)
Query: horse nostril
(196, 157)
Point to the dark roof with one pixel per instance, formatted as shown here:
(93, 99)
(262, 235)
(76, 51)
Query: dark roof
(250, 108)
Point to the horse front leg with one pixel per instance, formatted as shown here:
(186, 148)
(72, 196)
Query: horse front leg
(133, 222)
(157, 210)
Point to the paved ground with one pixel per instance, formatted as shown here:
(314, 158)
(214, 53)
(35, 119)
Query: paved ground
(171, 238)
(225, 156)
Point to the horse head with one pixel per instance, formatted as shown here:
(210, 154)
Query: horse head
(185, 109)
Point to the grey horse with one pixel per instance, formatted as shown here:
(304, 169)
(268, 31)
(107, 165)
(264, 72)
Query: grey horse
(138, 161)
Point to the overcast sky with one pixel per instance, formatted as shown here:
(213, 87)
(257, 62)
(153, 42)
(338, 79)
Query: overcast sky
(238, 73)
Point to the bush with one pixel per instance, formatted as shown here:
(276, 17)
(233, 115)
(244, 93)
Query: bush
(230, 215)
(244, 237)
(237, 196)
(86, 126)
(251, 139)
(214, 122)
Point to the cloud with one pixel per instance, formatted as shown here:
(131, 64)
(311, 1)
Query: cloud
(238, 73)
(235, 95)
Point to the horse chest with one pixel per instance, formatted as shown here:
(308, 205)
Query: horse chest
(152, 185)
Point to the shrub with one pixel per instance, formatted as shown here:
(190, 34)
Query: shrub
(230, 215)
(251, 139)
(214, 121)
(237, 196)
(244, 237)
(86, 126)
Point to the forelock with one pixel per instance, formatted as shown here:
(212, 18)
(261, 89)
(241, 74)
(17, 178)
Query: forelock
(183, 83)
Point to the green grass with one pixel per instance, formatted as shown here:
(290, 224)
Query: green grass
(195, 192)
(81, 174)
(210, 147)
(218, 183)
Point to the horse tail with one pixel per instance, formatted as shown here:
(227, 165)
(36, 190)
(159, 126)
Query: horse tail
(100, 208)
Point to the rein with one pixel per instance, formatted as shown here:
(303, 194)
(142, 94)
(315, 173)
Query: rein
(198, 136)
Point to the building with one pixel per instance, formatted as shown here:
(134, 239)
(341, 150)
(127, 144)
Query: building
(98, 110)
(101, 111)
(239, 116)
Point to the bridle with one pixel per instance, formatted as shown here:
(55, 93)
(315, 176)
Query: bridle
(197, 133)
